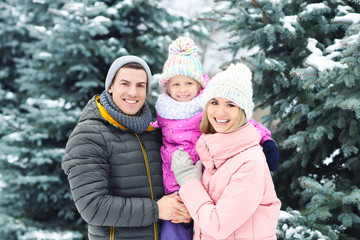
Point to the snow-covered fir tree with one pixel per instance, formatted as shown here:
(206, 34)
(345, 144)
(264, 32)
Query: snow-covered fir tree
(332, 76)
(65, 49)
(305, 60)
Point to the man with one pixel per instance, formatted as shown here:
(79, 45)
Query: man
(113, 160)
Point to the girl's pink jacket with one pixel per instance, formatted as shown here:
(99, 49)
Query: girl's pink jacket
(177, 133)
(236, 198)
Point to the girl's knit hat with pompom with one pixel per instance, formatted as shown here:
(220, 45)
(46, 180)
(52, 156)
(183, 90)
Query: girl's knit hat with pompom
(182, 60)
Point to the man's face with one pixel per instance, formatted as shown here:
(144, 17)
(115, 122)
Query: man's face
(128, 90)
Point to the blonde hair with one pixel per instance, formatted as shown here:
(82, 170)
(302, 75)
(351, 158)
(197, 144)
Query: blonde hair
(207, 128)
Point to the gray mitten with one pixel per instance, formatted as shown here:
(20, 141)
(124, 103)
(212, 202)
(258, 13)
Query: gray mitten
(183, 168)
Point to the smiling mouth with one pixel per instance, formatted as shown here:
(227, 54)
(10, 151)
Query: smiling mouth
(183, 96)
(221, 121)
(130, 101)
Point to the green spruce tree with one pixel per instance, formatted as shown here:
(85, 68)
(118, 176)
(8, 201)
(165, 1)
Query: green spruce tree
(314, 102)
(333, 78)
(63, 63)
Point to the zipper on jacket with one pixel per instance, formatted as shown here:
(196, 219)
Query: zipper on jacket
(112, 233)
(149, 178)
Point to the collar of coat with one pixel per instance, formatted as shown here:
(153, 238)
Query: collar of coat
(110, 119)
(215, 149)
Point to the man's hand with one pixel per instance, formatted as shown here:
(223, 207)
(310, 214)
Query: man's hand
(171, 208)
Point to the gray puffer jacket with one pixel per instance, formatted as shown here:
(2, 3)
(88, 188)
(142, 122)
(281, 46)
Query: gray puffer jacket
(115, 176)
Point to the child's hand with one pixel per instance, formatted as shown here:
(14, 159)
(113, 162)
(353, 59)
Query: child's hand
(272, 154)
(183, 168)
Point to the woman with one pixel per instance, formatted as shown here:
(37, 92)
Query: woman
(235, 199)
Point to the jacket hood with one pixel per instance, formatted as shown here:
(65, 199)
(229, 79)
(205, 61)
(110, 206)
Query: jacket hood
(91, 111)
(215, 149)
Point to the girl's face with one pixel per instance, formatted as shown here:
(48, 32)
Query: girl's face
(223, 115)
(182, 88)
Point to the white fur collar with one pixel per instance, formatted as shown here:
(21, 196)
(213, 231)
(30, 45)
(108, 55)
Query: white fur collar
(169, 108)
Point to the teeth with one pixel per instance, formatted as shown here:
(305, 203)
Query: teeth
(130, 101)
(221, 121)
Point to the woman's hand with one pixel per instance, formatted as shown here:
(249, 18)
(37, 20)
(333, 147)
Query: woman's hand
(181, 213)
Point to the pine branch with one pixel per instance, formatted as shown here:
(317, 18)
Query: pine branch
(289, 144)
(84, 11)
(245, 60)
(217, 12)
(207, 19)
(13, 126)
(350, 53)
(263, 13)
(304, 185)
(342, 22)
(294, 73)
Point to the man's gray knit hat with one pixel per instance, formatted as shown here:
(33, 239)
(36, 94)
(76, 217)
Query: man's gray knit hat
(121, 61)
(234, 84)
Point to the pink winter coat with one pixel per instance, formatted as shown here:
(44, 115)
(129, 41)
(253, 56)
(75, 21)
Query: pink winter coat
(177, 133)
(180, 125)
(236, 198)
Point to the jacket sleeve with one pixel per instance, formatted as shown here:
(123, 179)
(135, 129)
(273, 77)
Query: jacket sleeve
(264, 132)
(88, 170)
(236, 205)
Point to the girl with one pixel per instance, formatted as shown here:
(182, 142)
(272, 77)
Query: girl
(235, 199)
(179, 112)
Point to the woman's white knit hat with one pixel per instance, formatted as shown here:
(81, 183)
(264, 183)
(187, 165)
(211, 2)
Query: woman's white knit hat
(234, 84)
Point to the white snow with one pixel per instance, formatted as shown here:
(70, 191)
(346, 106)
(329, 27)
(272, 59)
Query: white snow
(274, 2)
(40, 29)
(12, 158)
(43, 55)
(2, 184)
(344, 9)
(336, 46)
(330, 159)
(9, 95)
(353, 39)
(112, 11)
(283, 215)
(188, 7)
(124, 3)
(15, 137)
(349, 18)
(289, 21)
(39, 1)
(50, 103)
(253, 15)
(74, 6)
(316, 6)
(45, 235)
(101, 19)
(318, 61)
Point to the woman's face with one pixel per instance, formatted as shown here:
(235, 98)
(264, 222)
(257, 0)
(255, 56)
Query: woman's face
(222, 114)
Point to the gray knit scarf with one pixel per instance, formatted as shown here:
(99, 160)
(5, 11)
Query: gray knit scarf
(137, 123)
